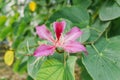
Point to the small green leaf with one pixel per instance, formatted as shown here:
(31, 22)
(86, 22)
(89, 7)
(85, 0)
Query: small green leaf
(5, 32)
(53, 69)
(86, 34)
(34, 65)
(2, 20)
(21, 28)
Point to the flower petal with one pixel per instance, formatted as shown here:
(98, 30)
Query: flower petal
(44, 50)
(73, 34)
(59, 28)
(44, 33)
(74, 47)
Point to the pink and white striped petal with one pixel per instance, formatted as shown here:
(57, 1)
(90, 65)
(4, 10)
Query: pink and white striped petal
(59, 28)
(44, 50)
(44, 33)
(74, 47)
(73, 34)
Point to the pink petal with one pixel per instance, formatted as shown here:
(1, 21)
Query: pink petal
(74, 47)
(59, 28)
(73, 34)
(44, 33)
(44, 50)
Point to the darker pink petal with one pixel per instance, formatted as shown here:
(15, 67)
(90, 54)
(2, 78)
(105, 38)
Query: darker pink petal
(44, 33)
(44, 50)
(73, 34)
(74, 47)
(59, 28)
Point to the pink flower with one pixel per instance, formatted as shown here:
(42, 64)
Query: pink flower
(67, 42)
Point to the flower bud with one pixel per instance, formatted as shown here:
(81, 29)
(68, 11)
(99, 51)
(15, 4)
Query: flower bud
(32, 6)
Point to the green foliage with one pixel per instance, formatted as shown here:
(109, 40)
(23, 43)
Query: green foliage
(118, 1)
(97, 29)
(98, 19)
(20, 65)
(85, 36)
(82, 3)
(2, 21)
(5, 32)
(34, 65)
(115, 30)
(53, 69)
(104, 58)
(78, 15)
(110, 10)
(26, 47)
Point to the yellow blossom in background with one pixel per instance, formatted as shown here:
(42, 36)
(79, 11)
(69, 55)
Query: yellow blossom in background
(32, 6)
(9, 57)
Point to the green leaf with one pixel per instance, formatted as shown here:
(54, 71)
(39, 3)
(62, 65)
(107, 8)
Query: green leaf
(29, 78)
(33, 66)
(26, 47)
(78, 15)
(20, 65)
(97, 29)
(5, 32)
(109, 11)
(53, 69)
(17, 41)
(85, 35)
(21, 28)
(83, 3)
(2, 20)
(118, 1)
(103, 60)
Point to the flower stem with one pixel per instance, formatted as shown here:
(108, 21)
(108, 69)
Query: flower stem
(65, 59)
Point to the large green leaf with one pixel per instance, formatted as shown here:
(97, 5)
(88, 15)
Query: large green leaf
(109, 11)
(53, 69)
(103, 60)
(118, 1)
(75, 14)
(83, 3)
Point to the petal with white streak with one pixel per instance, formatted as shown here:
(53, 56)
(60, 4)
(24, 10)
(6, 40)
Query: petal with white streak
(44, 50)
(44, 33)
(74, 47)
(73, 34)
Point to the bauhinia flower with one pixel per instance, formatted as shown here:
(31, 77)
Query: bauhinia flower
(67, 42)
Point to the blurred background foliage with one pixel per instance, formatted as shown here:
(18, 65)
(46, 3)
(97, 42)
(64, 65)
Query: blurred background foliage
(18, 19)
